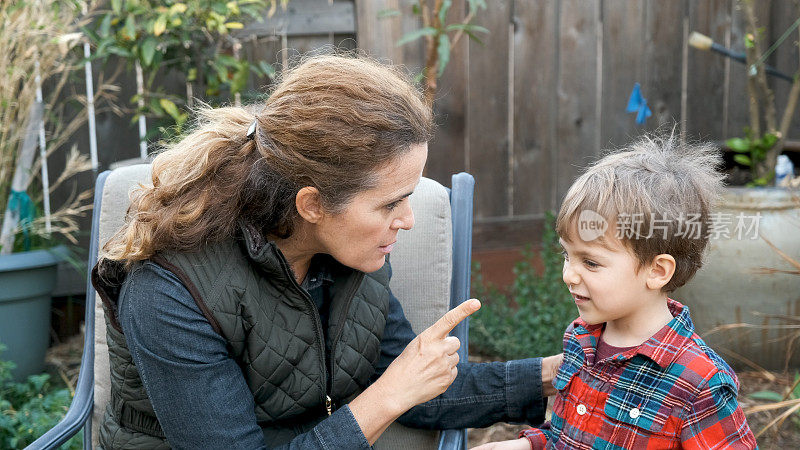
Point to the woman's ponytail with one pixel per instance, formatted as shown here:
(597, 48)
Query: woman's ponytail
(195, 195)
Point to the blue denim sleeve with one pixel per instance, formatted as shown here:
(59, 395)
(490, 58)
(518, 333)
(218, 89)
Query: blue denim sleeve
(481, 394)
(198, 392)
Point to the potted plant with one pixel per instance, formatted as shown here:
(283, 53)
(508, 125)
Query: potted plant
(728, 289)
(36, 113)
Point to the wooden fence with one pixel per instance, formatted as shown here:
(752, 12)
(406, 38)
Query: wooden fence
(524, 112)
(545, 92)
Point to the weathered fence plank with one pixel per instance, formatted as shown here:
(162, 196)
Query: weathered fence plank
(378, 37)
(307, 18)
(706, 89)
(535, 66)
(578, 124)
(487, 116)
(447, 150)
(266, 48)
(785, 58)
(624, 39)
(735, 116)
(663, 53)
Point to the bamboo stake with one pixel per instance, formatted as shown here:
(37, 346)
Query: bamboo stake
(87, 52)
(48, 226)
(142, 120)
(189, 95)
(237, 46)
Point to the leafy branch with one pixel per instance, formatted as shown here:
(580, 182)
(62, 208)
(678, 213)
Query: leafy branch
(440, 36)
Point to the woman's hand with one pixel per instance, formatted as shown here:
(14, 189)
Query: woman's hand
(427, 366)
(425, 369)
(516, 444)
(550, 365)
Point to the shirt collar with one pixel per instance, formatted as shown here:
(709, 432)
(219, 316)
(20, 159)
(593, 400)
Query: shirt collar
(662, 347)
(319, 273)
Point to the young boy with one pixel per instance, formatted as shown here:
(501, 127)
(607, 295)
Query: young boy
(635, 374)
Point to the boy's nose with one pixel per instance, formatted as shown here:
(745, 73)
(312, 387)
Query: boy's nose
(569, 276)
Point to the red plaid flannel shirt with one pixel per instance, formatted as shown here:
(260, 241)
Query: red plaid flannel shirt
(672, 391)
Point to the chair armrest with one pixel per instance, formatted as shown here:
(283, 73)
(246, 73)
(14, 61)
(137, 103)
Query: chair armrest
(461, 194)
(80, 409)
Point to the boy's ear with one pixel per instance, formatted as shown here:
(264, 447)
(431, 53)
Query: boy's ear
(661, 271)
(308, 204)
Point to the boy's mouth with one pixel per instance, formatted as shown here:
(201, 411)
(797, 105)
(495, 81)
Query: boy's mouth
(579, 298)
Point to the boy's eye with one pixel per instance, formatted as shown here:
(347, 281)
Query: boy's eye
(564, 255)
(591, 264)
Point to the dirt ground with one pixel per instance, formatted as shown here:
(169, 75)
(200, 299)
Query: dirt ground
(63, 362)
(785, 437)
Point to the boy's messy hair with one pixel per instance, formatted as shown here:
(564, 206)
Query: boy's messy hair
(656, 196)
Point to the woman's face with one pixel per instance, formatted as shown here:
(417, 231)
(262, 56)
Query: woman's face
(365, 232)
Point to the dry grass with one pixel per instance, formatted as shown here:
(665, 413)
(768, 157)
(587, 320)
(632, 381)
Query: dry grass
(42, 36)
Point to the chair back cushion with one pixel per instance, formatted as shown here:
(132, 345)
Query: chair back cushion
(421, 267)
(115, 202)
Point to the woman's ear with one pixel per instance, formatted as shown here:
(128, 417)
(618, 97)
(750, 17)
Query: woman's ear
(661, 271)
(308, 204)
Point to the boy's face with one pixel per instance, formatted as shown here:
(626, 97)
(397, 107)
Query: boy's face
(603, 279)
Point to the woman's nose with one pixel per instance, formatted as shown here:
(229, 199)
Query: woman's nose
(405, 221)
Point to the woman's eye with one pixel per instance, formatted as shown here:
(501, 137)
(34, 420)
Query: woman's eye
(392, 205)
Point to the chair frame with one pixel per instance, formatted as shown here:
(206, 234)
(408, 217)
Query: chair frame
(79, 414)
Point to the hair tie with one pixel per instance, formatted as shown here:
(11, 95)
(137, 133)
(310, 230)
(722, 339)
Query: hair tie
(251, 131)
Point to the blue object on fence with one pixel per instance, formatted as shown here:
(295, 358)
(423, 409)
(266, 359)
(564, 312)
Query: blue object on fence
(638, 104)
(23, 205)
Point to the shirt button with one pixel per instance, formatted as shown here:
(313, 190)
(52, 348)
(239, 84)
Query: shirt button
(581, 409)
(634, 413)
(313, 280)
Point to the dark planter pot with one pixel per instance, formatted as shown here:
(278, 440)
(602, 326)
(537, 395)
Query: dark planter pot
(26, 282)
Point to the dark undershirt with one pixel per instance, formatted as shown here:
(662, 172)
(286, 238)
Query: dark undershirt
(604, 350)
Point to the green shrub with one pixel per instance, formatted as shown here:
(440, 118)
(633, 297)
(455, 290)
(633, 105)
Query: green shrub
(30, 408)
(530, 318)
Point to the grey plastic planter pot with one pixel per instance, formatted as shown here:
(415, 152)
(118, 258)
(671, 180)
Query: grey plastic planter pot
(26, 282)
(729, 288)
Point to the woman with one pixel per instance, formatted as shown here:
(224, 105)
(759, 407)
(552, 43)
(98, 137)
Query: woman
(247, 296)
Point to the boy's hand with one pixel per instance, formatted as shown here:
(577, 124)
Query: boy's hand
(516, 444)
(550, 366)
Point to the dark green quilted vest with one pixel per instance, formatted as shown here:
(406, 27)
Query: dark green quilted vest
(247, 291)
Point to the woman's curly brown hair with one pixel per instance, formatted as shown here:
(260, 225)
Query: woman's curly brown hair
(330, 123)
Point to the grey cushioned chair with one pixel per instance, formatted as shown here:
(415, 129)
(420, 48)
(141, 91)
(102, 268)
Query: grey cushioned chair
(430, 265)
